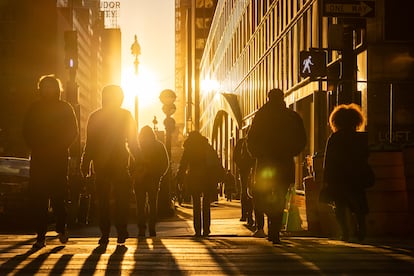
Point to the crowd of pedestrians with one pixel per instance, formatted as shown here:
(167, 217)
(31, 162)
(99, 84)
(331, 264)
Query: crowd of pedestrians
(120, 162)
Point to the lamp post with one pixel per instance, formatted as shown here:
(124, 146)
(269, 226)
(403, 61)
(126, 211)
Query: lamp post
(136, 51)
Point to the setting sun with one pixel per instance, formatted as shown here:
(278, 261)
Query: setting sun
(147, 88)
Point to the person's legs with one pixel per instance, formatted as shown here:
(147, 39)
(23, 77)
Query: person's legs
(152, 202)
(122, 189)
(359, 207)
(197, 213)
(103, 198)
(340, 213)
(246, 201)
(361, 226)
(206, 215)
(249, 211)
(39, 199)
(59, 209)
(259, 217)
(243, 197)
(276, 213)
(141, 199)
(39, 205)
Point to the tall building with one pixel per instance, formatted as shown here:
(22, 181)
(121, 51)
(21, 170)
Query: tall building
(192, 26)
(66, 38)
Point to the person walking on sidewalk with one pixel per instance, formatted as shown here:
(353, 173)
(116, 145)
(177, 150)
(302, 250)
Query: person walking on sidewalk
(229, 185)
(245, 163)
(276, 135)
(49, 128)
(200, 167)
(151, 167)
(111, 141)
(347, 173)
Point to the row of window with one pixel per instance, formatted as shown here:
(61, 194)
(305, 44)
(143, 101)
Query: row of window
(260, 55)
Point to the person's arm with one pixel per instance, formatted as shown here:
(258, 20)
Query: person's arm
(165, 161)
(328, 170)
(27, 128)
(72, 130)
(253, 137)
(87, 150)
(132, 137)
(182, 167)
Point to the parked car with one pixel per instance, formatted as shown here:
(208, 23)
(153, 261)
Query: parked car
(14, 182)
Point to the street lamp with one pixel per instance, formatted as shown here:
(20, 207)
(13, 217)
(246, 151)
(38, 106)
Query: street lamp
(136, 51)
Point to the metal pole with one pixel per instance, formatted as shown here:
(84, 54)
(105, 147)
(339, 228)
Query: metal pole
(136, 106)
(391, 113)
(136, 51)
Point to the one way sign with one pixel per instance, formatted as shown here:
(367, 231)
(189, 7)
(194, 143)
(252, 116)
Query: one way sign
(348, 8)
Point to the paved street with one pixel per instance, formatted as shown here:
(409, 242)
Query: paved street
(230, 250)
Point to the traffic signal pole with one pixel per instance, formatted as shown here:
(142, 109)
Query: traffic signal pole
(167, 98)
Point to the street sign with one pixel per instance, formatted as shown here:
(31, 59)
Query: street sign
(348, 8)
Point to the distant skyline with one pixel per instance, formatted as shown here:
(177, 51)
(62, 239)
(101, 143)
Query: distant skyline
(153, 23)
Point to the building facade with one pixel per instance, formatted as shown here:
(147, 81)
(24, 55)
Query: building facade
(66, 38)
(363, 52)
(254, 46)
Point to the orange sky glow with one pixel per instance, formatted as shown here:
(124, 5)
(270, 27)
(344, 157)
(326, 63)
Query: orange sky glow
(153, 23)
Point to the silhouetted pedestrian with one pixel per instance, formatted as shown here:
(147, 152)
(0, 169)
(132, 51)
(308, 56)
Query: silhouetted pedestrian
(151, 167)
(245, 163)
(276, 135)
(111, 141)
(229, 185)
(49, 128)
(200, 167)
(346, 169)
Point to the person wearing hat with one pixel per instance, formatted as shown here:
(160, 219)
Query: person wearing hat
(276, 135)
(49, 128)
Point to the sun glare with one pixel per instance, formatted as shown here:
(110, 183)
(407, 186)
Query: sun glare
(147, 88)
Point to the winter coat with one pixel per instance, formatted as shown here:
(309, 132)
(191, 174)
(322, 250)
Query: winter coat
(49, 128)
(345, 163)
(153, 162)
(276, 135)
(199, 166)
(242, 157)
(110, 137)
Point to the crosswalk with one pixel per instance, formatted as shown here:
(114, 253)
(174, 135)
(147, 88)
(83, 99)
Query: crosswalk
(216, 255)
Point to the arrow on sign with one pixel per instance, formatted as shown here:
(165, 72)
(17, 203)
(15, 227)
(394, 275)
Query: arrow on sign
(361, 9)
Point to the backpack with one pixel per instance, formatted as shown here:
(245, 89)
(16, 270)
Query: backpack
(215, 170)
(242, 157)
(276, 134)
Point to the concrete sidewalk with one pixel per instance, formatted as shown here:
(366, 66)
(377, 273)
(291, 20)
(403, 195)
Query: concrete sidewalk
(230, 250)
(225, 221)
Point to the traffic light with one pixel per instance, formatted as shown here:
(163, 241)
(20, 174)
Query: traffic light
(71, 49)
(312, 64)
(167, 97)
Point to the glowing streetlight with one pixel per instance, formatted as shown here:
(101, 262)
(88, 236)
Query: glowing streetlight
(136, 51)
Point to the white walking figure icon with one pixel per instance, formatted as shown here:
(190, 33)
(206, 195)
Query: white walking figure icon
(307, 62)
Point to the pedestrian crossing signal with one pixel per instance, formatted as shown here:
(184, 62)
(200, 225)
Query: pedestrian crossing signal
(312, 64)
(71, 49)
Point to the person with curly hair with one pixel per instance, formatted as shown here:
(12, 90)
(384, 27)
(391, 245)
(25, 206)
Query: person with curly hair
(346, 166)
